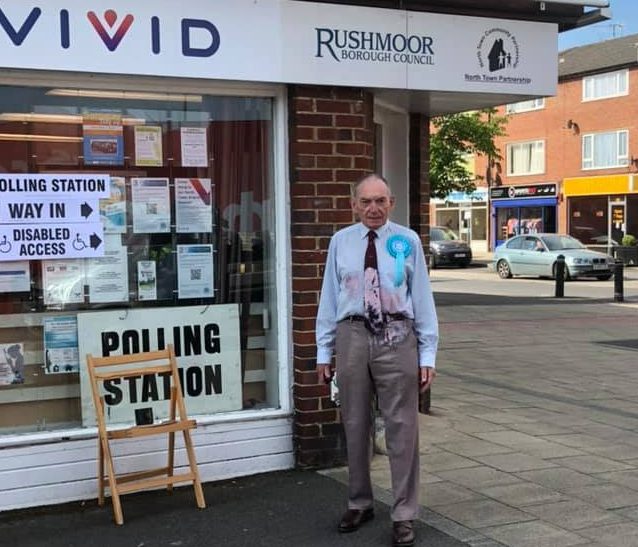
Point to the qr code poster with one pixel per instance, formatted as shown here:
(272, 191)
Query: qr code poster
(11, 364)
(195, 271)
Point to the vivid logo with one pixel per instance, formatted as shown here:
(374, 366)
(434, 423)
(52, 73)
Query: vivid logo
(111, 30)
(110, 16)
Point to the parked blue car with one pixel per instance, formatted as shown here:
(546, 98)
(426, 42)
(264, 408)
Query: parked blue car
(536, 255)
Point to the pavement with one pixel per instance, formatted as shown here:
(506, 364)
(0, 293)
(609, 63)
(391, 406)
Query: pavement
(532, 441)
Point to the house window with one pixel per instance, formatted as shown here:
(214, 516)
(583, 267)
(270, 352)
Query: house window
(604, 150)
(526, 158)
(602, 86)
(525, 106)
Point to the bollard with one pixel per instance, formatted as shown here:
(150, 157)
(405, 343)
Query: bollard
(560, 277)
(618, 281)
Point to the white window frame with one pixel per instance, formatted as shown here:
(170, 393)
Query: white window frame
(590, 80)
(510, 146)
(622, 159)
(525, 106)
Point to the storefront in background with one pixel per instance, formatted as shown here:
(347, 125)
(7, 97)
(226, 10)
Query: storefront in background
(528, 209)
(171, 175)
(601, 210)
(466, 214)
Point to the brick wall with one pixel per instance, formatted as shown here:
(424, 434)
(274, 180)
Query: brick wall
(331, 145)
(331, 135)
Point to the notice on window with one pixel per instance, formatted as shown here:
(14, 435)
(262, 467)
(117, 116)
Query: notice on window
(61, 353)
(151, 205)
(195, 271)
(113, 208)
(148, 146)
(193, 206)
(15, 276)
(107, 276)
(146, 280)
(11, 364)
(103, 138)
(194, 147)
(63, 282)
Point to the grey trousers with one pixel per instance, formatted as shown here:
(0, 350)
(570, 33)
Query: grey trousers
(365, 365)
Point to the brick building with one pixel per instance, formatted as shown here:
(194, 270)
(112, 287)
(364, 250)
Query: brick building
(569, 161)
(218, 143)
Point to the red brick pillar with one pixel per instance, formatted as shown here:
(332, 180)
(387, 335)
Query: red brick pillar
(331, 145)
(419, 168)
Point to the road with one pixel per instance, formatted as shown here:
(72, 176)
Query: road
(479, 279)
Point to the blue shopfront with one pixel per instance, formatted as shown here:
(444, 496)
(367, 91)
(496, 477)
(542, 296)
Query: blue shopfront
(525, 209)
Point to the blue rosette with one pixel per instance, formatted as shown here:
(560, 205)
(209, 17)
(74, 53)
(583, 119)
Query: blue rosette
(399, 248)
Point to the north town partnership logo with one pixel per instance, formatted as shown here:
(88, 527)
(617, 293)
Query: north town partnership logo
(499, 48)
(498, 51)
(112, 28)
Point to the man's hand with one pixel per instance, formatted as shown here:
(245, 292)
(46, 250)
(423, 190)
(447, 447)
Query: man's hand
(324, 373)
(426, 378)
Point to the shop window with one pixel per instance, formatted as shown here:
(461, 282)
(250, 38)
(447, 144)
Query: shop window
(605, 150)
(604, 86)
(588, 220)
(525, 106)
(526, 158)
(187, 229)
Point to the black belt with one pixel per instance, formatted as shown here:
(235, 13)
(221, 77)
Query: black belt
(390, 316)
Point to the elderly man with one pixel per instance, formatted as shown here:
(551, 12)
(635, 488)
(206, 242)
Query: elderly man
(376, 312)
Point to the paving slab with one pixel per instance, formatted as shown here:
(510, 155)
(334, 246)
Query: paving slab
(478, 514)
(574, 514)
(534, 534)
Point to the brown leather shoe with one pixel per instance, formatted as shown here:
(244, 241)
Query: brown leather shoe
(352, 519)
(402, 533)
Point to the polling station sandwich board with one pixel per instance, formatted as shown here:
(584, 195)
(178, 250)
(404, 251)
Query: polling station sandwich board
(207, 348)
(51, 216)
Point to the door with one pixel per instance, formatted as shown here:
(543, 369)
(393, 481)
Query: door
(617, 220)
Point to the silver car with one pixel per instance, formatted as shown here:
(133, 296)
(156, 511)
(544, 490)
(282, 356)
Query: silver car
(536, 254)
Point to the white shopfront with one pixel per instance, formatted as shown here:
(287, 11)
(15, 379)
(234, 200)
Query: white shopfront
(182, 111)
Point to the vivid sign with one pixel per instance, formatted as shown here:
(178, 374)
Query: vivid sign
(282, 41)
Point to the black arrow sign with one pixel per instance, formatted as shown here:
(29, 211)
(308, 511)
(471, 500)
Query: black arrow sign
(85, 210)
(95, 241)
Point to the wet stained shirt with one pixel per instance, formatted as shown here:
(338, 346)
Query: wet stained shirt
(342, 292)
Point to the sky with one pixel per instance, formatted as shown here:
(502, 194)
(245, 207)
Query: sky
(623, 23)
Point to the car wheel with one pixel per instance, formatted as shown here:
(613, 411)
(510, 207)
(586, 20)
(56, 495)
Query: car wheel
(433, 264)
(503, 269)
(463, 264)
(566, 276)
(605, 277)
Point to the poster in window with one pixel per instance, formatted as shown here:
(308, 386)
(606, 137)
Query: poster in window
(146, 280)
(193, 206)
(113, 208)
(15, 276)
(11, 364)
(151, 205)
(103, 138)
(107, 276)
(195, 271)
(63, 282)
(148, 146)
(61, 353)
(194, 147)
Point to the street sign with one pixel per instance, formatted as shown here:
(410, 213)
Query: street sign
(40, 241)
(29, 209)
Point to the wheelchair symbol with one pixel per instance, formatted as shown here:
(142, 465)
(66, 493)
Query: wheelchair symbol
(78, 243)
(5, 246)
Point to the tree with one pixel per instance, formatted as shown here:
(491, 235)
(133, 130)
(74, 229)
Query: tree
(455, 137)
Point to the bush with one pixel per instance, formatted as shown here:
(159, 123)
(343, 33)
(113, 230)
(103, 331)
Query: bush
(628, 240)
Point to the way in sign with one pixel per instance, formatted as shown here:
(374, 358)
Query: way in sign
(47, 211)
